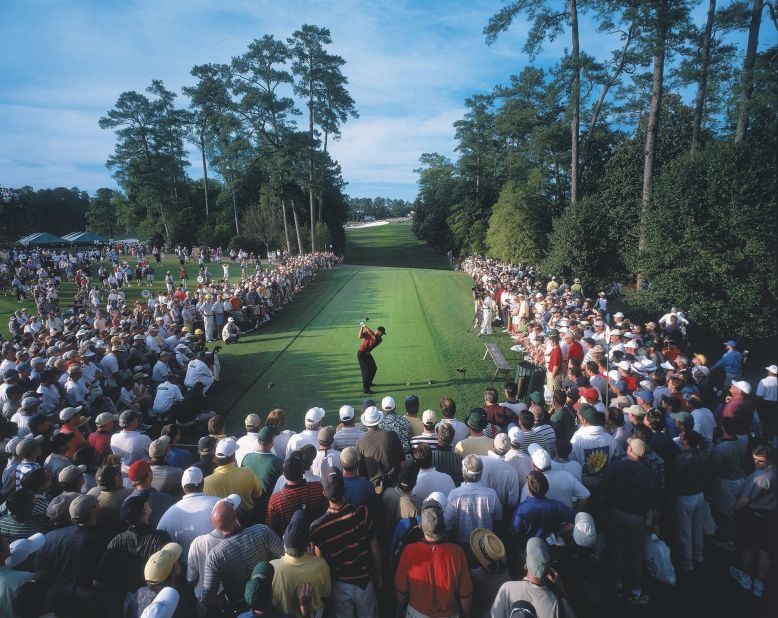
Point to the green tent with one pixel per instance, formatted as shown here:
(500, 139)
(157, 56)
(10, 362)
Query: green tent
(43, 239)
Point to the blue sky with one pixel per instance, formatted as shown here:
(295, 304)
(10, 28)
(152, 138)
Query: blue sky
(410, 66)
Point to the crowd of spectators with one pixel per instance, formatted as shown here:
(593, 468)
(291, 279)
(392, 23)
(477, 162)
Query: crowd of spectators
(539, 506)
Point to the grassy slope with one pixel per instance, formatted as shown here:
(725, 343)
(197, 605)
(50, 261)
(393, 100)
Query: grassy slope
(309, 353)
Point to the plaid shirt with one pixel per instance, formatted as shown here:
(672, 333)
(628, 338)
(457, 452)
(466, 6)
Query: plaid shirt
(230, 563)
(469, 507)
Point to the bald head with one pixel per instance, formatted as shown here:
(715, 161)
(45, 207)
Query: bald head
(223, 517)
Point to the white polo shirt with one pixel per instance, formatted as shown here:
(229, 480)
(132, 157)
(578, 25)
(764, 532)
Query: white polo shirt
(130, 446)
(188, 518)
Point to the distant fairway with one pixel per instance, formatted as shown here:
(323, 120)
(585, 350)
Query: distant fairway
(308, 353)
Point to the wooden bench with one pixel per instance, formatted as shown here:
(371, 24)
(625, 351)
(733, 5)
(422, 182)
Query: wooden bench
(499, 360)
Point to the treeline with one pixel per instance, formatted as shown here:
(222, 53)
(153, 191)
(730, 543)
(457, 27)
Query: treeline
(276, 185)
(603, 171)
(57, 211)
(377, 207)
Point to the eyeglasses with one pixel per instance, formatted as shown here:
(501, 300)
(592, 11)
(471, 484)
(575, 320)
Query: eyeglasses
(759, 461)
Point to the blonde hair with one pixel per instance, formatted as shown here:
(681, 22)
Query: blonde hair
(276, 418)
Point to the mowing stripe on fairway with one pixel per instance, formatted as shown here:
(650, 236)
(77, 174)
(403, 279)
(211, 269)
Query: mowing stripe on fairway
(292, 340)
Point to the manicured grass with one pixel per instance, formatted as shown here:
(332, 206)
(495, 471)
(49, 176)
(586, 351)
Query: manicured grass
(307, 356)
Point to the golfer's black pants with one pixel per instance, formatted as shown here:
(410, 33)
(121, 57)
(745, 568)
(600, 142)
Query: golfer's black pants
(368, 368)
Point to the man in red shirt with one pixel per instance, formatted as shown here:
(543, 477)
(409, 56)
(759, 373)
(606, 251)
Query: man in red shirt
(574, 349)
(100, 440)
(555, 371)
(370, 340)
(432, 576)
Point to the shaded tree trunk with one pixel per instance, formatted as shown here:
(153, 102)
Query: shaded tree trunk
(235, 210)
(286, 228)
(575, 96)
(323, 172)
(297, 230)
(747, 80)
(652, 130)
(311, 204)
(699, 101)
(205, 175)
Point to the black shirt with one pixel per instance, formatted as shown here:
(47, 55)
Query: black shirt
(629, 486)
(125, 557)
(87, 546)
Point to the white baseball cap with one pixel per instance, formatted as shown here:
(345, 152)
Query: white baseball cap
(429, 417)
(233, 499)
(387, 404)
(584, 532)
(24, 548)
(226, 447)
(514, 433)
(743, 386)
(314, 415)
(346, 413)
(164, 604)
(772, 368)
(540, 456)
(191, 476)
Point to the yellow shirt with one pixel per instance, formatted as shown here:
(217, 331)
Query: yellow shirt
(290, 573)
(416, 425)
(478, 445)
(230, 479)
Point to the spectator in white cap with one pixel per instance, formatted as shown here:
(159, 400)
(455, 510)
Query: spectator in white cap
(248, 443)
(767, 402)
(740, 407)
(562, 486)
(164, 604)
(501, 475)
(428, 434)
(228, 479)
(310, 435)
(347, 434)
(396, 423)
(129, 444)
(16, 569)
(190, 517)
(518, 459)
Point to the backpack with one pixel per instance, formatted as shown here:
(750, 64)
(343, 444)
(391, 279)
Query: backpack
(412, 535)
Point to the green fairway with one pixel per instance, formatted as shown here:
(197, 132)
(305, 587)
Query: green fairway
(307, 356)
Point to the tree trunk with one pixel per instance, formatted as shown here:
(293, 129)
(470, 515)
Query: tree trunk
(235, 211)
(311, 156)
(297, 230)
(747, 80)
(575, 96)
(699, 102)
(286, 228)
(652, 130)
(323, 171)
(558, 187)
(205, 175)
(601, 99)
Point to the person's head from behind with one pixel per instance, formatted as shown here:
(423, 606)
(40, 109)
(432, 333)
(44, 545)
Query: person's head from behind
(526, 420)
(445, 433)
(20, 504)
(422, 456)
(276, 419)
(472, 468)
(259, 589)
(448, 408)
(490, 396)
(537, 484)
(216, 425)
(563, 449)
(655, 420)
(763, 456)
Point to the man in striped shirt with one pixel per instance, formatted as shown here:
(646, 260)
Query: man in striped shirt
(229, 564)
(296, 494)
(428, 435)
(347, 434)
(346, 538)
(444, 459)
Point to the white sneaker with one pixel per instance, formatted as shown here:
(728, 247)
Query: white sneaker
(742, 578)
(758, 589)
